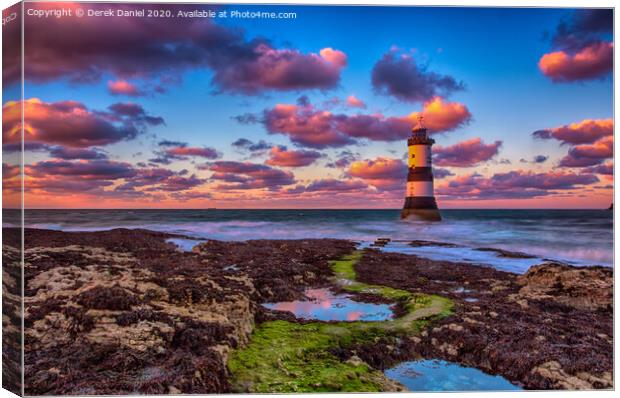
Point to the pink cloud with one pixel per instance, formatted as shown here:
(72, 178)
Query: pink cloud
(355, 102)
(280, 156)
(203, 152)
(71, 124)
(591, 62)
(306, 125)
(284, 69)
(589, 154)
(160, 51)
(605, 169)
(329, 185)
(123, 87)
(466, 153)
(584, 132)
(62, 176)
(159, 179)
(440, 116)
(84, 169)
(516, 184)
(245, 175)
(382, 173)
(335, 57)
(176, 150)
(9, 171)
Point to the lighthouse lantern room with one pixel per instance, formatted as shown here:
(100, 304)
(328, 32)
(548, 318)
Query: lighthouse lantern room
(420, 201)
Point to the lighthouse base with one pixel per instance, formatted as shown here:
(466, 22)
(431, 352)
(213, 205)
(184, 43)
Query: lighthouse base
(423, 208)
(420, 214)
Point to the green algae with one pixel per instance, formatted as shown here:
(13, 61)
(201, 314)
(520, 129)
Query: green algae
(291, 357)
(418, 306)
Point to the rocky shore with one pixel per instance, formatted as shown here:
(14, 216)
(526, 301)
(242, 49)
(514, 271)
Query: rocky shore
(123, 311)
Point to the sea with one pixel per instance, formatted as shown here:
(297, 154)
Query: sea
(577, 237)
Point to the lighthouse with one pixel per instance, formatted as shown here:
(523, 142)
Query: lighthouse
(420, 203)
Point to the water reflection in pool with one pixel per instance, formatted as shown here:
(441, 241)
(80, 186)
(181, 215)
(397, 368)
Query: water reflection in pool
(324, 305)
(185, 245)
(438, 375)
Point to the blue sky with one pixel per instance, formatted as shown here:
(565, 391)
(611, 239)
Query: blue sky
(494, 52)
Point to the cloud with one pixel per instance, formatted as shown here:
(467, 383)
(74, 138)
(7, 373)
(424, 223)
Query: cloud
(605, 169)
(305, 126)
(79, 176)
(246, 175)
(329, 185)
(168, 143)
(516, 184)
(587, 131)
(247, 118)
(134, 112)
(65, 153)
(84, 169)
(105, 179)
(177, 183)
(28, 146)
(344, 159)
(245, 144)
(592, 62)
(308, 126)
(146, 177)
(441, 116)
(335, 57)
(9, 171)
(591, 141)
(540, 159)
(581, 50)
(176, 150)
(439, 173)
(281, 156)
(589, 154)
(71, 124)
(582, 27)
(382, 173)
(123, 87)
(355, 102)
(162, 49)
(186, 151)
(159, 180)
(466, 153)
(282, 70)
(398, 75)
(379, 169)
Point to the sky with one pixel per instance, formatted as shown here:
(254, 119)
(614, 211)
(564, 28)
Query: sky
(310, 110)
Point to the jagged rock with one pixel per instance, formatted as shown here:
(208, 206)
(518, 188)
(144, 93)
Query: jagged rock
(589, 288)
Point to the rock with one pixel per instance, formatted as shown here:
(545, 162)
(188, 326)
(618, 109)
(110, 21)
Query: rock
(124, 305)
(589, 288)
(510, 330)
(553, 371)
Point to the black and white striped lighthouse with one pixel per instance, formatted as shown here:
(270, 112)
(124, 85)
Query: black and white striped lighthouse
(420, 202)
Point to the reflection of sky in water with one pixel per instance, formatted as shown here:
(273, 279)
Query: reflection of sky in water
(437, 375)
(324, 305)
(185, 245)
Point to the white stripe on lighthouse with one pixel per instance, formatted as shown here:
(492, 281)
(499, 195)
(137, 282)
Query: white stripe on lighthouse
(420, 188)
(420, 156)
